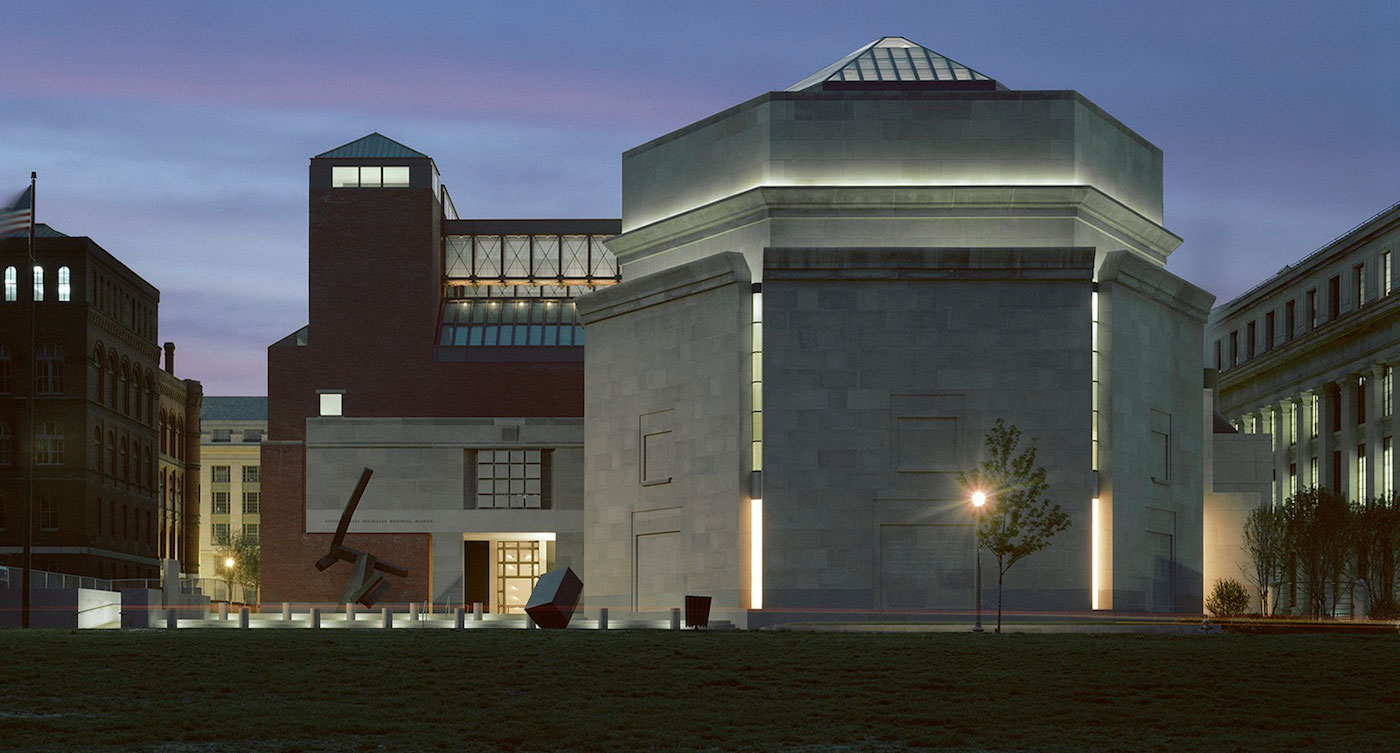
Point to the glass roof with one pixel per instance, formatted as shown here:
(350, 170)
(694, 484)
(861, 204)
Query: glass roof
(890, 59)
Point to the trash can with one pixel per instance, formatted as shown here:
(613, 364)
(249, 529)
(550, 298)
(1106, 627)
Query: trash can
(697, 611)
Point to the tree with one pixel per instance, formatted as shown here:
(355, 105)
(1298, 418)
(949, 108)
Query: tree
(1377, 536)
(1318, 529)
(246, 555)
(1019, 520)
(1266, 543)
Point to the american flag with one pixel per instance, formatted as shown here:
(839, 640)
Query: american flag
(16, 216)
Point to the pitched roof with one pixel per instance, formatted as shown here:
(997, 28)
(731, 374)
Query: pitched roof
(891, 60)
(233, 409)
(373, 146)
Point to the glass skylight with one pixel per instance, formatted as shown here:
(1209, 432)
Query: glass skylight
(890, 59)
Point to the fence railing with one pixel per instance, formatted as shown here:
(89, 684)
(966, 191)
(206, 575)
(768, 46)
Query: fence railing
(214, 588)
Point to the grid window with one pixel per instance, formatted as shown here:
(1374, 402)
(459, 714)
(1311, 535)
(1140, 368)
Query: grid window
(219, 474)
(1290, 314)
(509, 478)
(7, 445)
(252, 435)
(38, 283)
(517, 569)
(1292, 479)
(1385, 272)
(221, 534)
(1387, 470)
(5, 384)
(369, 176)
(1312, 308)
(1312, 473)
(252, 503)
(11, 284)
(1361, 400)
(65, 288)
(221, 503)
(1360, 473)
(1312, 414)
(48, 444)
(250, 532)
(48, 514)
(223, 435)
(1359, 276)
(250, 474)
(48, 379)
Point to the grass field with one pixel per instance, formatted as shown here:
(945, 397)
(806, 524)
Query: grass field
(303, 690)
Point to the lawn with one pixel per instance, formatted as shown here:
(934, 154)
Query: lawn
(304, 690)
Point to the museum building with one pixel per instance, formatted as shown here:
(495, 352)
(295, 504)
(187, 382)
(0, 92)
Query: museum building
(760, 383)
(445, 354)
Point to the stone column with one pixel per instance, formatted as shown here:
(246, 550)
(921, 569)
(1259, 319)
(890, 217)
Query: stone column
(1281, 431)
(1324, 444)
(1347, 482)
(1375, 455)
(1302, 450)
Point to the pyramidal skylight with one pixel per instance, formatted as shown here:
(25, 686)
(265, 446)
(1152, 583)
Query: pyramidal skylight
(890, 60)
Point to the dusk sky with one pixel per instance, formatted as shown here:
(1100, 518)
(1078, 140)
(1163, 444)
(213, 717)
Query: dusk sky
(177, 134)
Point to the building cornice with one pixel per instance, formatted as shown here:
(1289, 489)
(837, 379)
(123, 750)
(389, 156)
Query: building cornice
(998, 203)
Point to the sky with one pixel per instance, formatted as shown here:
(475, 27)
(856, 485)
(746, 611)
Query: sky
(176, 134)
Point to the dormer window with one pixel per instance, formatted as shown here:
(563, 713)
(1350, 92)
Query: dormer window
(367, 176)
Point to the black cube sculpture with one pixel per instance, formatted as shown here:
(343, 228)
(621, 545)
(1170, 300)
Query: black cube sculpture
(552, 603)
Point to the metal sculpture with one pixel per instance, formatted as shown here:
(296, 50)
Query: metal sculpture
(366, 582)
(552, 603)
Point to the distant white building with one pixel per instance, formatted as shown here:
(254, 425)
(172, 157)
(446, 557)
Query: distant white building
(230, 483)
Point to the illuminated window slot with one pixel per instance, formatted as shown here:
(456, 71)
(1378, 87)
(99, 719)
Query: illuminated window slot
(1094, 369)
(1095, 559)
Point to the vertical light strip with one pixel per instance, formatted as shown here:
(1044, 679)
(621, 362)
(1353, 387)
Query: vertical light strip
(1094, 372)
(756, 554)
(1096, 556)
(757, 386)
(756, 445)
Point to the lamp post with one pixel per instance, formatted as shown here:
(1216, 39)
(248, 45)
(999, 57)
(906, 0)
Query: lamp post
(228, 576)
(979, 500)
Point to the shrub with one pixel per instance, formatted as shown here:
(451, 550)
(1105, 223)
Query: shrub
(1229, 598)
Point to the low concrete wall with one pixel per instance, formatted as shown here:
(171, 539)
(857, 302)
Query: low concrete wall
(70, 608)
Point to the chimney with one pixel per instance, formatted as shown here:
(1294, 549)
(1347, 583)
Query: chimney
(170, 358)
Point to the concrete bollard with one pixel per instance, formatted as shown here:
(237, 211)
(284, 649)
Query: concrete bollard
(350, 612)
(675, 618)
(243, 618)
(286, 612)
(413, 614)
(461, 618)
(315, 617)
(603, 618)
(172, 617)
(476, 611)
(387, 617)
(223, 610)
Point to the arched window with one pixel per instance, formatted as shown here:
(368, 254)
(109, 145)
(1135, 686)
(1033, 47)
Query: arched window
(179, 438)
(126, 462)
(150, 399)
(65, 288)
(150, 469)
(48, 379)
(38, 283)
(48, 443)
(99, 516)
(97, 447)
(101, 380)
(126, 387)
(164, 438)
(6, 445)
(112, 452)
(11, 284)
(5, 385)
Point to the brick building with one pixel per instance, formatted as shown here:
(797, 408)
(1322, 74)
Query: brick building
(445, 354)
(102, 505)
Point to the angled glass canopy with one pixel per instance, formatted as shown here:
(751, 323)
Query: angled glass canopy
(891, 60)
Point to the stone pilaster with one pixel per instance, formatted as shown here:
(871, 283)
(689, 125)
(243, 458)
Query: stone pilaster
(1375, 456)
(1325, 442)
(1347, 443)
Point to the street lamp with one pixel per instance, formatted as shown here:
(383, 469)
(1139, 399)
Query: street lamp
(228, 577)
(979, 500)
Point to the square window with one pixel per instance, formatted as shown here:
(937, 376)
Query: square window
(345, 177)
(331, 403)
(371, 177)
(396, 177)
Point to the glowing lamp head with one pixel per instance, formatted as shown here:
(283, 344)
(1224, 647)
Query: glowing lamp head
(228, 562)
(979, 499)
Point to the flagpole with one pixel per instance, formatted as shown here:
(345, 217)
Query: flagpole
(33, 377)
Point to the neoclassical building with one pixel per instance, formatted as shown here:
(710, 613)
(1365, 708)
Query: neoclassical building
(830, 293)
(1307, 358)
